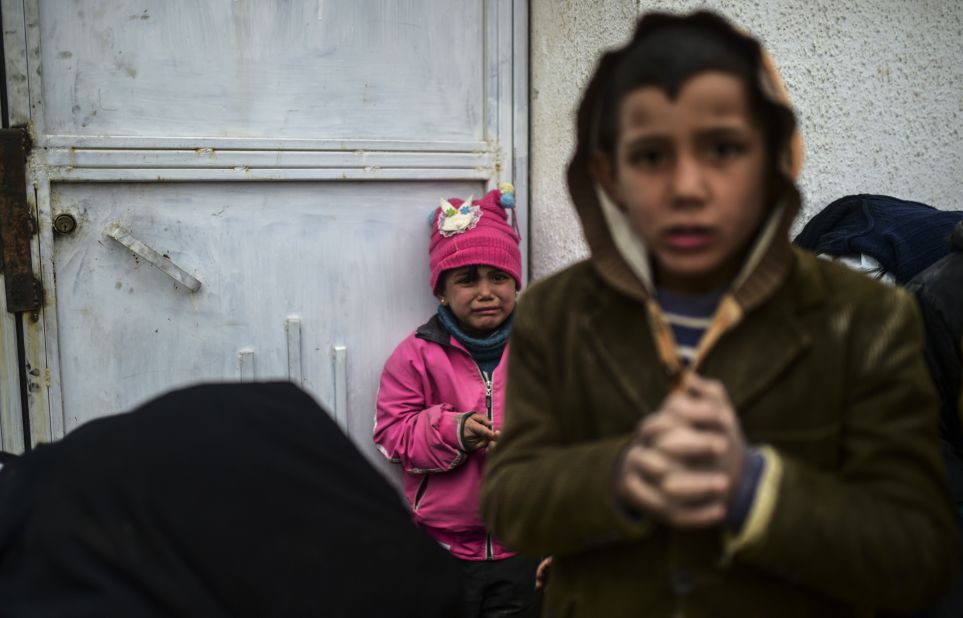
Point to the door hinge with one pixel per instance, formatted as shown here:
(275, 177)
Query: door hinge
(17, 224)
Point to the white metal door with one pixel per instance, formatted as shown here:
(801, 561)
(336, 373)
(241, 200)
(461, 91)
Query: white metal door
(249, 185)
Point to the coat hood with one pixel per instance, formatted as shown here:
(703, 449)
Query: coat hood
(619, 256)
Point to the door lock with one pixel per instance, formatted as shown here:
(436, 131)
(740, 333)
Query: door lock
(64, 224)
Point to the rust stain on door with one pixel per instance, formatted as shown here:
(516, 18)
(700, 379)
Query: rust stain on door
(17, 224)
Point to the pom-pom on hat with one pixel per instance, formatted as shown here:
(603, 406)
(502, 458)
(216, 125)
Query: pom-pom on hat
(467, 232)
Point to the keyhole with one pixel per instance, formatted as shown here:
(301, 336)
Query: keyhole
(64, 224)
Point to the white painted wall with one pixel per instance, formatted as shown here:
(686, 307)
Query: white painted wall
(877, 84)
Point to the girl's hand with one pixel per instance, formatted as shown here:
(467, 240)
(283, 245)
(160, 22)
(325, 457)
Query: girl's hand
(493, 441)
(542, 572)
(476, 432)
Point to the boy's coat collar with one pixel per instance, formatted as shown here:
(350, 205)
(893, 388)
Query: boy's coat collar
(766, 345)
(766, 266)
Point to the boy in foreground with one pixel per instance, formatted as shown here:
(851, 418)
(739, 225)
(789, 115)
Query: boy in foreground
(702, 420)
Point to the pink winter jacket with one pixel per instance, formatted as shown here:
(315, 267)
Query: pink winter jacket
(428, 384)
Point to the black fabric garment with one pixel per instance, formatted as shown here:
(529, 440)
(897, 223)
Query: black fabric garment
(939, 291)
(213, 501)
(500, 588)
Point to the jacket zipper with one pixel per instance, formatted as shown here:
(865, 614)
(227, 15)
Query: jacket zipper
(420, 493)
(488, 395)
(489, 551)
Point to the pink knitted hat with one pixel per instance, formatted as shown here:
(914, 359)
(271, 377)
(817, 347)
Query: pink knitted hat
(477, 232)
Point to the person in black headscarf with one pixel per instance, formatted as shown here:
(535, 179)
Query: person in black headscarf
(213, 501)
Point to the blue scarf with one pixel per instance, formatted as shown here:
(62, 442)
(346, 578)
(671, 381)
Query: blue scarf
(486, 351)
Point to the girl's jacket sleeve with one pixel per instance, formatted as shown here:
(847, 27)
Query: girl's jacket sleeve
(422, 438)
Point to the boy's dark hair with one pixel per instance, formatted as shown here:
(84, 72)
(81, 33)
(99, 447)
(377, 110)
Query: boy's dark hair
(667, 50)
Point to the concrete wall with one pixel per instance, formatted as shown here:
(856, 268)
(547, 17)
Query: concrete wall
(877, 84)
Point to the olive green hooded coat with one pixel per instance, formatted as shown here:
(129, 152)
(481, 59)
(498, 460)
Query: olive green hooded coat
(825, 370)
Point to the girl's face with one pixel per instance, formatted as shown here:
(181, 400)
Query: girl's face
(690, 174)
(481, 297)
